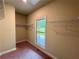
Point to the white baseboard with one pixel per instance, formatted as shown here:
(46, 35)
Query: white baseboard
(5, 52)
(21, 41)
(44, 51)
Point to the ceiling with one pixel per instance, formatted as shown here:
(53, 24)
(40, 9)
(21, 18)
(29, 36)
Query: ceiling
(29, 6)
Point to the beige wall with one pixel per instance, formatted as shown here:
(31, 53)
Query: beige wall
(7, 29)
(62, 38)
(20, 30)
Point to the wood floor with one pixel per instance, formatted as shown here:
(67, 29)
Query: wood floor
(25, 51)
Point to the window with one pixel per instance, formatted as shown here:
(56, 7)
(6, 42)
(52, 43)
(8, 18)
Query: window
(40, 32)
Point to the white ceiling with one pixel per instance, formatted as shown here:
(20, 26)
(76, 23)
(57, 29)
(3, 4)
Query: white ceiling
(28, 7)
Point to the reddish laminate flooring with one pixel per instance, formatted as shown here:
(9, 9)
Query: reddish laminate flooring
(25, 51)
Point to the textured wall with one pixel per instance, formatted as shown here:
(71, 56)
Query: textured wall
(7, 29)
(62, 32)
(21, 33)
